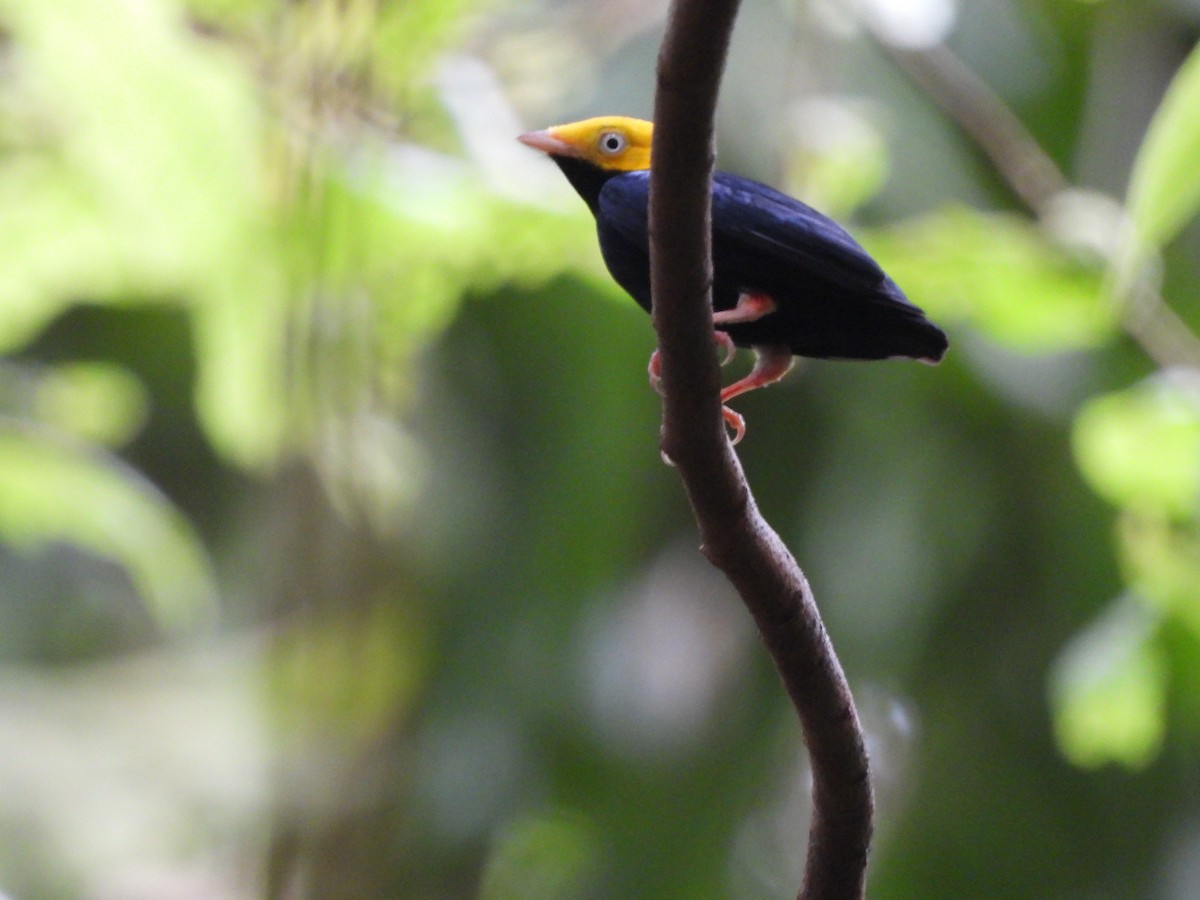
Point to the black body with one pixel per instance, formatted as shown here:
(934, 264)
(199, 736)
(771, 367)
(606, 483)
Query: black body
(832, 299)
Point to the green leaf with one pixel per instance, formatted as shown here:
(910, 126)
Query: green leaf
(51, 490)
(97, 402)
(1140, 448)
(233, 13)
(240, 331)
(141, 177)
(407, 36)
(351, 677)
(1161, 562)
(1000, 273)
(1164, 189)
(1109, 692)
(53, 247)
(541, 858)
(394, 245)
(154, 131)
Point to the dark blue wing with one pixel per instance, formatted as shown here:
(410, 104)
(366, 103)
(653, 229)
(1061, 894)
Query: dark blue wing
(832, 300)
(760, 228)
(758, 233)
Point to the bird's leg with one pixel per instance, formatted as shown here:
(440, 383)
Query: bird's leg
(724, 342)
(727, 347)
(750, 308)
(770, 365)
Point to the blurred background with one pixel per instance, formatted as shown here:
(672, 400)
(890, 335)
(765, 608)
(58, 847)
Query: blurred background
(336, 555)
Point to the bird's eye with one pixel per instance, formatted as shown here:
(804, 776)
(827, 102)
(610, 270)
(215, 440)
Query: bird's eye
(612, 142)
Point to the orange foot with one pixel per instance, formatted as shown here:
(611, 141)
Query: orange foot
(724, 342)
(772, 364)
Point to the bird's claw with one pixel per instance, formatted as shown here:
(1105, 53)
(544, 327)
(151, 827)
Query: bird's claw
(724, 343)
(727, 347)
(654, 370)
(735, 423)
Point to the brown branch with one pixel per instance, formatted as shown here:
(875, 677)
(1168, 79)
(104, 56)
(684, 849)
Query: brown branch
(735, 537)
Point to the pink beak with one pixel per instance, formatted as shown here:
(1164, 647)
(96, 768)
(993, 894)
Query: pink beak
(547, 143)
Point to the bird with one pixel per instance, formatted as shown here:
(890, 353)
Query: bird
(787, 280)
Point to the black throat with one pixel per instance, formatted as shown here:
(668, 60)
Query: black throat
(585, 178)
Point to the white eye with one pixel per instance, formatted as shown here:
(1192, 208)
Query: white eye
(611, 143)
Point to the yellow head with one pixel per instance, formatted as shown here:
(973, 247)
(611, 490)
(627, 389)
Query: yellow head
(615, 143)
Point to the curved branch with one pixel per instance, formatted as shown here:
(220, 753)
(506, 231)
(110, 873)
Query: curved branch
(735, 536)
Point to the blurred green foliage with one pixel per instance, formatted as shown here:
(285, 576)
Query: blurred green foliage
(54, 491)
(1001, 274)
(1118, 435)
(539, 858)
(336, 556)
(1110, 692)
(1164, 190)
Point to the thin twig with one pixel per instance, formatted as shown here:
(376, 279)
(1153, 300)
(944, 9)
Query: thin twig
(735, 537)
(980, 112)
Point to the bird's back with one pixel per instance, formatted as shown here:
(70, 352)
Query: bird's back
(832, 299)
